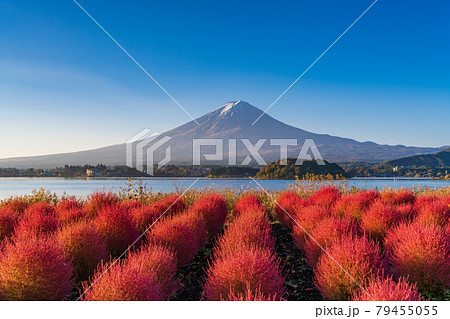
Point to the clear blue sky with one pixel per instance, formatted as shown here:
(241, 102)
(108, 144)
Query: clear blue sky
(65, 86)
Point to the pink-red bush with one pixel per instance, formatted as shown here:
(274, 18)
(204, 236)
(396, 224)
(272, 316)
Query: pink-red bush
(198, 226)
(420, 253)
(162, 262)
(249, 295)
(285, 207)
(121, 282)
(37, 222)
(367, 197)
(326, 196)
(359, 257)
(69, 204)
(244, 270)
(70, 210)
(131, 204)
(84, 245)
(39, 209)
(354, 205)
(326, 231)
(8, 221)
(145, 216)
(378, 220)
(386, 289)
(117, 228)
(170, 205)
(306, 219)
(398, 197)
(425, 199)
(213, 209)
(17, 205)
(250, 229)
(348, 206)
(434, 213)
(406, 211)
(99, 200)
(248, 201)
(34, 269)
(179, 233)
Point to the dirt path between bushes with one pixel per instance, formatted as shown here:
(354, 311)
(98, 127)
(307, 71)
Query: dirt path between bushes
(299, 276)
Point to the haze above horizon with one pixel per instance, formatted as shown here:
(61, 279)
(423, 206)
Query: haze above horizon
(65, 86)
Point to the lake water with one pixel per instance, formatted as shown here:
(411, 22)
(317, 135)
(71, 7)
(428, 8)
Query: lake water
(83, 187)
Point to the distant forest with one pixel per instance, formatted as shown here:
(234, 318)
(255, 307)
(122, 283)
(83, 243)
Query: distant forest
(431, 166)
(435, 165)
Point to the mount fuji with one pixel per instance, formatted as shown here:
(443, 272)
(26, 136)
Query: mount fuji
(232, 120)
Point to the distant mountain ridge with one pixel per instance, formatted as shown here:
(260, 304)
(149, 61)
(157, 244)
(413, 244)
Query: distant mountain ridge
(232, 120)
(437, 160)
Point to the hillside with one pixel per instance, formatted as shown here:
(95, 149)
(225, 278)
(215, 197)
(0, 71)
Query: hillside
(435, 165)
(437, 160)
(291, 171)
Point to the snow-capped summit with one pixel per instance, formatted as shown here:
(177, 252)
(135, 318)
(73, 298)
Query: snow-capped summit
(234, 107)
(231, 106)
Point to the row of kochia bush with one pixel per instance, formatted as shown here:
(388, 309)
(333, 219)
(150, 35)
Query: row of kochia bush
(47, 249)
(149, 273)
(245, 266)
(390, 244)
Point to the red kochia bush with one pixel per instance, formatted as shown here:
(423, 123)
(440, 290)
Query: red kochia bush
(213, 209)
(68, 204)
(144, 216)
(354, 205)
(99, 200)
(70, 210)
(434, 213)
(404, 196)
(244, 270)
(179, 233)
(84, 245)
(406, 211)
(198, 226)
(287, 204)
(34, 269)
(306, 219)
(250, 229)
(162, 262)
(8, 220)
(378, 220)
(358, 256)
(326, 231)
(37, 222)
(17, 205)
(117, 228)
(170, 205)
(425, 198)
(386, 289)
(367, 197)
(248, 201)
(39, 209)
(131, 204)
(348, 206)
(421, 253)
(249, 295)
(398, 197)
(121, 282)
(326, 196)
